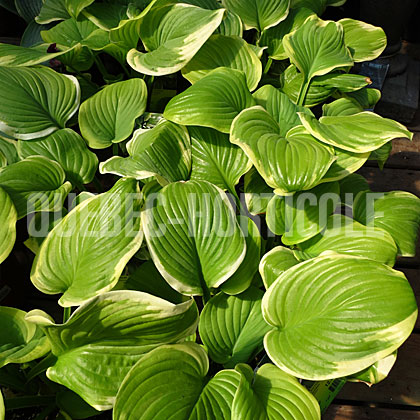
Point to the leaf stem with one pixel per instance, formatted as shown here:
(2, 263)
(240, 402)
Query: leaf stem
(303, 92)
(268, 65)
(115, 149)
(66, 314)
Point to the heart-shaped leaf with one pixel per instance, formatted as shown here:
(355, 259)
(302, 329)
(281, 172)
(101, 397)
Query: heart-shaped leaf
(214, 101)
(288, 164)
(68, 149)
(109, 116)
(232, 327)
(44, 190)
(351, 313)
(102, 231)
(272, 394)
(225, 51)
(35, 102)
(185, 27)
(107, 335)
(304, 214)
(193, 236)
(358, 133)
(20, 341)
(365, 42)
(8, 217)
(185, 393)
(259, 14)
(216, 159)
(346, 236)
(275, 263)
(164, 152)
(397, 212)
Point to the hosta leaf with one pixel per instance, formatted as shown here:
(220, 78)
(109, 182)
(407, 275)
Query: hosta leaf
(365, 42)
(351, 186)
(257, 193)
(172, 35)
(108, 116)
(35, 184)
(259, 14)
(68, 149)
(342, 106)
(396, 212)
(20, 341)
(2, 409)
(8, 217)
(382, 154)
(74, 406)
(107, 335)
(304, 214)
(276, 262)
(185, 393)
(346, 236)
(214, 101)
(231, 25)
(225, 51)
(215, 159)
(163, 151)
(317, 6)
(272, 394)
(103, 231)
(352, 312)
(317, 47)
(358, 133)
(53, 10)
(288, 164)
(232, 327)
(74, 7)
(244, 275)
(147, 278)
(366, 97)
(272, 38)
(193, 236)
(9, 149)
(35, 102)
(280, 107)
(16, 56)
(106, 15)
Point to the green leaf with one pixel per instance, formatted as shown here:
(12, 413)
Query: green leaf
(358, 133)
(51, 11)
(20, 341)
(74, 7)
(172, 35)
(68, 149)
(35, 102)
(216, 159)
(301, 216)
(271, 394)
(214, 101)
(351, 186)
(232, 327)
(164, 152)
(257, 193)
(109, 116)
(106, 336)
(8, 217)
(74, 406)
(365, 42)
(9, 149)
(147, 278)
(185, 393)
(193, 236)
(348, 237)
(106, 15)
(231, 25)
(44, 190)
(342, 106)
(2, 409)
(317, 6)
(102, 232)
(335, 315)
(275, 263)
(397, 212)
(244, 275)
(16, 56)
(259, 14)
(288, 164)
(367, 97)
(225, 51)
(382, 154)
(272, 38)
(317, 47)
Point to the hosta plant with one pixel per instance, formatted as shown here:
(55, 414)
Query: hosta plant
(186, 175)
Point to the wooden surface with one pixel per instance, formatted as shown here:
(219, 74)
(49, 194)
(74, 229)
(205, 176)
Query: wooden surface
(398, 396)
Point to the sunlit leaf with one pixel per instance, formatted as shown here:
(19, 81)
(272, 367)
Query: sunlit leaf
(8, 217)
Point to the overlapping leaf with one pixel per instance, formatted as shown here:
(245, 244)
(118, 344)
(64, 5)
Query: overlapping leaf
(8, 217)
(257, 193)
(101, 232)
(52, 10)
(193, 236)
(107, 335)
(34, 102)
(336, 315)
